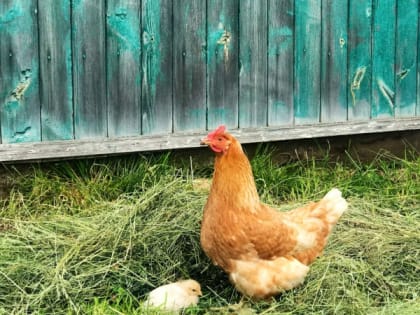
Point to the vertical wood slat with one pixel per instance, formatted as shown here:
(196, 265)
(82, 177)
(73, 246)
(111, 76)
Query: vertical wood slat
(19, 72)
(89, 70)
(253, 63)
(334, 61)
(157, 65)
(222, 61)
(359, 60)
(307, 62)
(383, 59)
(123, 70)
(280, 62)
(418, 68)
(189, 65)
(56, 69)
(406, 58)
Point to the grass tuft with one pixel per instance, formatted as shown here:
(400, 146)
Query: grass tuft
(95, 236)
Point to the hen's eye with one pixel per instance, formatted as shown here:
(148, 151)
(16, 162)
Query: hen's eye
(219, 139)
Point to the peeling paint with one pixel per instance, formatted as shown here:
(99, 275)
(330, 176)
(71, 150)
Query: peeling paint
(402, 74)
(225, 40)
(357, 80)
(121, 26)
(386, 92)
(151, 46)
(218, 37)
(342, 42)
(280, 39)
(8, 19)
(21, 135)
(19, 91)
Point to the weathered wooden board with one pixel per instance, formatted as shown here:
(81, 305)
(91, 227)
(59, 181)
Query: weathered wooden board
(123, 69)
(280, 62)
(253, 63)
(56, 70)
(359, 60)
(383, 59)
(406, 58)
(157, 65)
(334, 61)
(189, 50)
(19, 72)
(89, 69)
(307, 61)
(85, 148)
(222, 61)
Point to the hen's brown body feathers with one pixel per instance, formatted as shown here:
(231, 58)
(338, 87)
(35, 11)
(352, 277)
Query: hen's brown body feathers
(264, 251)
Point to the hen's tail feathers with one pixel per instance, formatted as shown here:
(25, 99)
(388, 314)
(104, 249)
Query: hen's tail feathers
(261, 279)
(334, 204)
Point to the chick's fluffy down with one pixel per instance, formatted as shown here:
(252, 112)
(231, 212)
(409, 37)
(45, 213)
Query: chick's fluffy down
(175, 296)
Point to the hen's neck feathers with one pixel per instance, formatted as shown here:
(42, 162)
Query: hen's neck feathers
(233, 181)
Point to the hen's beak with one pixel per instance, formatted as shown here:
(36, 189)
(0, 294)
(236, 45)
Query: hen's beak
(205, 141)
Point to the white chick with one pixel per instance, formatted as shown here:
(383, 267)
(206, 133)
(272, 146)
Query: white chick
(175, 296)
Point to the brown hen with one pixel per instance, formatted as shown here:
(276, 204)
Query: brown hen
(264, 251)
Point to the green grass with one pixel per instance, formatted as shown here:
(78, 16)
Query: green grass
(95, 236)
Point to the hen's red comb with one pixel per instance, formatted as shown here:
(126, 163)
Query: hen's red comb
(218, 131)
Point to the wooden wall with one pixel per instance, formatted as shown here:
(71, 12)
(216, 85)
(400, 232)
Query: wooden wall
(106, 69)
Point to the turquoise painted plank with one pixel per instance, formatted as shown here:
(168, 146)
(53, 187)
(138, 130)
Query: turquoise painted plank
(360, 60)
(334, 61)
(222, 61)
(189, 48)
(89, 69)
(19, 72)
(123, 69)
(157, 64)
(280, 62)
(383, 59)
(307, 61)
(253, 63)
(56, 69)
(406, 58)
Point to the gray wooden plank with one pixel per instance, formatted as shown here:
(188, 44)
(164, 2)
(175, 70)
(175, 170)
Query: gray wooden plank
(85, 148)
(222, 61)
(334, 61)
(253, 63)
(307, 61)
(360, 59)
(157, 64)
(89, 69)
(406, 58)
(189, 65)
(280, 62)
(56, 70)
(19, 72)
(123, 67)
